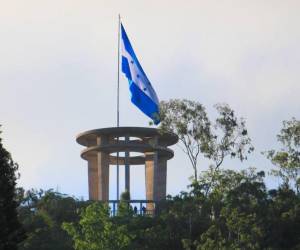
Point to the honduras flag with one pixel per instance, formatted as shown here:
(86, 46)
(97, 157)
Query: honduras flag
(142, 92)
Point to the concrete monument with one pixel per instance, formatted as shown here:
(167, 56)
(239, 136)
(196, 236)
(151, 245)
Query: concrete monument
(101, 144)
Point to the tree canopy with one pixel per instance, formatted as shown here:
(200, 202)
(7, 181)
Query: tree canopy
(226, 136)
(287, 160)
(11, 232)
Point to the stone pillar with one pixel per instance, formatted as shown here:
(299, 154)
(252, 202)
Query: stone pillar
(161, 180)
(103, 171)
(150, 167)
(127, 167)
(93, 177)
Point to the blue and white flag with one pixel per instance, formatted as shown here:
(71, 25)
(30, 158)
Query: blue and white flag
(142, 92)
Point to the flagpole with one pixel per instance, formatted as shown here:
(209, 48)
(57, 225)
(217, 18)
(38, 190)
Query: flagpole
(118, 102)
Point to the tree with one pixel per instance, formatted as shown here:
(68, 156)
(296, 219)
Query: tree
(283, 219)
(189, 121)
(42, 214)
(228, 135)
(97, 231)
(11, 232)
(124, 208)
(287, 160)
(238, 211)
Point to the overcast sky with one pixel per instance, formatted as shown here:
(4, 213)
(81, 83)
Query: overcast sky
(58, 76)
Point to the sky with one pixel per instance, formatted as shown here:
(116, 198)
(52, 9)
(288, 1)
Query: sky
(58, 77)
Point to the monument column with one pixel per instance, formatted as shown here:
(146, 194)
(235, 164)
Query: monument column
(161, 180)
(127, 167)
(155, 177)
(93, 177)
(150, 166)
(103, 170)
(92, 173)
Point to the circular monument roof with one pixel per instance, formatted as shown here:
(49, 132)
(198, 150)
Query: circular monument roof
(142, 142)
(88, 137)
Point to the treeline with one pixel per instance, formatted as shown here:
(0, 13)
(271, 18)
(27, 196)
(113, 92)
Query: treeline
(237, 213)
(222, 209)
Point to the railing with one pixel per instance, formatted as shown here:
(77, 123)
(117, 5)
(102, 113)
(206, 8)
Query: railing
(139, 207)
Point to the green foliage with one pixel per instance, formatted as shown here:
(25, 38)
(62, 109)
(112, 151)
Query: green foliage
(42, 214)
(96, 230)
(230, 138)
(232, 206)
(124, 208)
(287, 160)
(189, 121)
(125, 196)
(243, 215)
(284, 219)
(11, 232)
(227, 136)
(238, 212)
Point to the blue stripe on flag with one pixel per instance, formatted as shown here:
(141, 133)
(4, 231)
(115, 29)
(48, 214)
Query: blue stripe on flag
(144, 102)
(125, 68)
